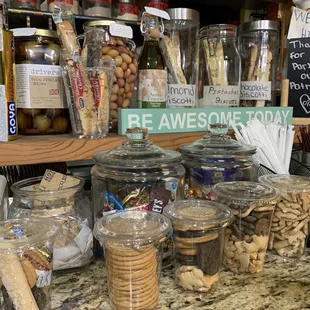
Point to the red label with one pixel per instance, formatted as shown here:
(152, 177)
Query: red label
(77, 85)
(100, 1)
(70, 2)
(95, 87)
(26, 1)
(158, 5)
(127, 8)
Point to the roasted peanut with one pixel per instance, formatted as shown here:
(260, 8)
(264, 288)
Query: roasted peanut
(113, 97)
(113, 53)
(119, 73)
(119, 101)
(126, 58)
(113, 106)
(105, 49)
(107, 57)
(121, 82)
(127, 88)
(131, 79)
(133, 68)
(124, 66)
(126, 103)
(118, 60)
(115, 89)
(127, 74)
(129, 95)
(121, 91)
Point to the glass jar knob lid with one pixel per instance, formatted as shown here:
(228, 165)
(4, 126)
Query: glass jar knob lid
(137, 133)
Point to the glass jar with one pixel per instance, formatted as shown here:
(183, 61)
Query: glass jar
(180, 47)
(198, 242)
(26, 251)
(100, 8)
(125, 9)
(70, 208)
(220, 67)
(216, 158)
(133, 250)
(157, 4)
(121, 50)
(246, 239)
(289, 228)
(258, 44)
(39, 93)
(68, 5)
(25, 4)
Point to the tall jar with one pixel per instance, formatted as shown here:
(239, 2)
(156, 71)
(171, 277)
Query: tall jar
(258, 44)
(290, 223)
(39, 94)
(26, 251)
(216, 158)
(180, 48)
(220, 66)
(70, 208)
(99, 8)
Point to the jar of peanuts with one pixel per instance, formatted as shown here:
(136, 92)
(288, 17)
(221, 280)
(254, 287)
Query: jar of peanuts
(116, 44)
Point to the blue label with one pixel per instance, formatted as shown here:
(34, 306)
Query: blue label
(12, 128)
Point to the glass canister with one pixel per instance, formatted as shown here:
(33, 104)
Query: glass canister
(290, 223)
(133, 250)
(216, 158)
(180, 48)
(100, 8)
(258, 44)
(246, 239)
(125, 9)
(115, 45)
(157, 4)
(39, 93)
(220, 66)
(26, 251)
(70, 208)
(198, 242)
(25, 4)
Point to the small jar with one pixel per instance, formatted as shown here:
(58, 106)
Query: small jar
(70, 5)
(289, 228)
(246, 239)
(157, 4)
(133, 250)
(100, 8)
(25, 4)
(70, 208)
(258, 44)
(39, 94)
(220, 66)
(125, 9)
(26, 252)
(198, 242)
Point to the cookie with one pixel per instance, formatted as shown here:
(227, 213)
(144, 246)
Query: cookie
(180, 245)
(192, 251)
(201, 239)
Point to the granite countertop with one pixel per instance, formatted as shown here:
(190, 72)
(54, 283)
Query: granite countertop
(282, 286)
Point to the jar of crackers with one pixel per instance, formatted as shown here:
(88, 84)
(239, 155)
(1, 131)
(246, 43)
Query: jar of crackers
(198, 242)
(26, 252)
(133, 250)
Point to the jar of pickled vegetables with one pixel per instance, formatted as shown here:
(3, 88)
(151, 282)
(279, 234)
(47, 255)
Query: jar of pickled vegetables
(39, 94)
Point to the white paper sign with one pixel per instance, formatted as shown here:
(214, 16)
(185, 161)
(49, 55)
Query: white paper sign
(181, 95)
(121, 31)
(252, 90)
(300, 24)
(221, 96)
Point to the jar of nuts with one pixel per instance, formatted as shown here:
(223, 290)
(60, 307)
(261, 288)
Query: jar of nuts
(116, 45)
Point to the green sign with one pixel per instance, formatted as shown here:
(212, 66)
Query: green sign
(191, 120)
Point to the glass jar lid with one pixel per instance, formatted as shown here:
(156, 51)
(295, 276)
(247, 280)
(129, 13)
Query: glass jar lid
(287, 182)
(244, 193)
(217, 144)
(26, 232)
(137, 153)
(133, 228)
(198, 214)
(218, 30)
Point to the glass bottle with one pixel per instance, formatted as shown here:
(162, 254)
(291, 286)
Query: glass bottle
(152, 79)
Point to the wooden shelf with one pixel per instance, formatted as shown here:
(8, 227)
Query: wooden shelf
(46, 149)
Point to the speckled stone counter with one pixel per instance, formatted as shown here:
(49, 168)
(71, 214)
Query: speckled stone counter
(282, 286)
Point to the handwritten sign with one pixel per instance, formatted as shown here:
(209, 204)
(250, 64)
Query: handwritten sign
(252, 90)
(193, 120)
(300, 24)
(181, 95)
(221, 96)
(299, 76)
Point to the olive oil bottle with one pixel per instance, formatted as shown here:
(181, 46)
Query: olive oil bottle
(152, 79)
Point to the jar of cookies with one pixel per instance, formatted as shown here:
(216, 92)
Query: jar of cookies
(290, 222)
(67, 206)
(26, 251)
(133, 249)
(198, 242)
(115, 44)
(41, 108)
(246, 239)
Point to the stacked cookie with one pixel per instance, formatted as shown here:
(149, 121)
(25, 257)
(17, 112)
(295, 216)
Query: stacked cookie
(132, 277)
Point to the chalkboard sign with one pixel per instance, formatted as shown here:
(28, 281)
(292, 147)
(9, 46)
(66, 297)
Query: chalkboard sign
(299, 76)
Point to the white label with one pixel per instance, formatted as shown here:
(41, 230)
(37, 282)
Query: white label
(300, 24)
(252, 90)
(221, 96)
(1, 40)
(157, 12)
(24, 32)
(44, 278)
(3, 119)
(38, 86)
(121, 31)
(181, 95)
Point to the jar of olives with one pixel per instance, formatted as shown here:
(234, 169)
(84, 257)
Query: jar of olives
(39, 93)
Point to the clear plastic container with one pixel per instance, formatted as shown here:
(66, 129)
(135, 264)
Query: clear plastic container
(198, 242)
(289, 228)
(180, 48)
(258, 44)
(100, 8)
(220, 67)
(216, 158)
(26, 263)
(70, 208)
(246, 239)
(133, 250)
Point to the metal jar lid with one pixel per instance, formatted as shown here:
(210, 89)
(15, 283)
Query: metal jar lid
(29, 32)
(218, 30)
(99, 23)
(259, 25)
(184, 14)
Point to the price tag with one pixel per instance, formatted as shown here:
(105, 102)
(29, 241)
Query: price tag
(252, 90)
(181, 95)
(121, 31)
(24, 32)
(221, 96)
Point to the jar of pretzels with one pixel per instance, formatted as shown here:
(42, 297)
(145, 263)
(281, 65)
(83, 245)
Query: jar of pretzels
(116, 44)
(133, 248)
(198, 242)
